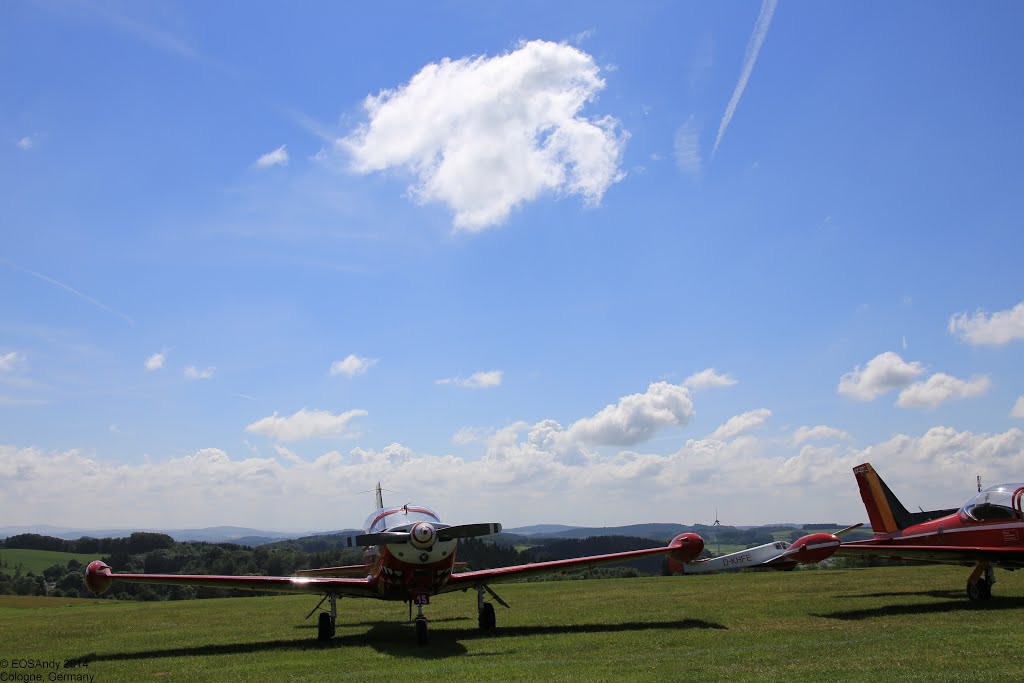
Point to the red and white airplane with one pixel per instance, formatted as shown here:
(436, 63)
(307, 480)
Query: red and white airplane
(409, 556)
(987, 532)
(809, 549)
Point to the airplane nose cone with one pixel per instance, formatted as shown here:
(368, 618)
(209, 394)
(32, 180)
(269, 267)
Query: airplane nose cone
(422, 535)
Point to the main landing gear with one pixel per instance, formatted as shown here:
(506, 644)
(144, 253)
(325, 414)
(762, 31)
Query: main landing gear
(326, 621)
(979, 585)
(485, 610)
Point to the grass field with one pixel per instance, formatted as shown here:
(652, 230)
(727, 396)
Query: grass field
(882, 624)
(38, 560)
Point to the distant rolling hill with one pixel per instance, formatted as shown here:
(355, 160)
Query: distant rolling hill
(657, 531)
(539, 529)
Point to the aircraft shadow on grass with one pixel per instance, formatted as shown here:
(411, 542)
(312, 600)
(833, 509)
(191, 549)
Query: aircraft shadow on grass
(995, 604)
(393, 639)
(945, 594)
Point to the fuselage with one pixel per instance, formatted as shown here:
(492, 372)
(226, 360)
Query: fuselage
(991, 519)
(413, 570)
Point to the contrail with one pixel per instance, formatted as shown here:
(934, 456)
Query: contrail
(764, 20)
(67, 288)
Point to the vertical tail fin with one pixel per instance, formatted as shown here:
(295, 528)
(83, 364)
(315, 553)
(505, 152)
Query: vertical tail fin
(886, 514)
(380, 497)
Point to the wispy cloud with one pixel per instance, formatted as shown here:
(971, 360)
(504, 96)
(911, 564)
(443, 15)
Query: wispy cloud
(1018, 409)
(156, 361)
(818, 433)
(708, 378)
(192, 372)
(10, 361)
(305, 424)
(764, 20)
(26, 143)
(483, 379)
(67, 288)
(279, 157)
(741, 424)
(687, 148)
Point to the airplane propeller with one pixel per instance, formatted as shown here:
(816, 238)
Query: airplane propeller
(448, 533)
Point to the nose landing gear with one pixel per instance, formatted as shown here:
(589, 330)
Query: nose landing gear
(422, 632)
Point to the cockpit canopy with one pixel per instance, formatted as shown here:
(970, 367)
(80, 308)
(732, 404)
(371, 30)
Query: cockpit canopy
(995, 502)
(404, 516)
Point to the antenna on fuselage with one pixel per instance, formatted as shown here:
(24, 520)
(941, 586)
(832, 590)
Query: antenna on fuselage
(380, 497)
(979, 483)
(714, 527)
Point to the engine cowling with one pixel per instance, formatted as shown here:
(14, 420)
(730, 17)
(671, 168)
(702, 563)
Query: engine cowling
(685, 548)
(97, 577)
(813, 548)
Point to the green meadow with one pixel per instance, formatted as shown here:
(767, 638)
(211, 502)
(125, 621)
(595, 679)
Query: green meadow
(37, 560)
(880, 624)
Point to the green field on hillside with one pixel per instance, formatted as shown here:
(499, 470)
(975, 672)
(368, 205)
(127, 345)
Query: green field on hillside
(881, 624)
(37, 560)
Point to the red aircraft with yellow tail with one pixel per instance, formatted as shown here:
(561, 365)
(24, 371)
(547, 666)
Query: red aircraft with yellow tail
(986, 532)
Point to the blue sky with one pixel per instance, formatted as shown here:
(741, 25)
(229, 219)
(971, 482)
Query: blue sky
(589, 264)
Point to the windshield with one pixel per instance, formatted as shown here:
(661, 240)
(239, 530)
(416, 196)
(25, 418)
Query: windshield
(994, 502)
(389, 518)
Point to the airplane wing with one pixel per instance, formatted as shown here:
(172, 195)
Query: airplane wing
(943, 554)
(682, 548)
(353, 570)
(98, 578)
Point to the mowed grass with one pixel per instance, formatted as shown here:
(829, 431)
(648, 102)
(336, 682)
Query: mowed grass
(885, 624)
(37, 560)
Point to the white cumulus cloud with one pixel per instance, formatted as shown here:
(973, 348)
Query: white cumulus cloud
(708, 378)
(741, 424)
(635, 418)
(352, 365)
(883, 373)
(1001, 327)
(305, 424)
(940, 388)
(156, 361)
(484, 135)
(279, 157)
(483, 379)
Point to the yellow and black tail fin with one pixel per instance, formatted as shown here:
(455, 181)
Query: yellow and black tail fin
(882, 506)
(885, 512)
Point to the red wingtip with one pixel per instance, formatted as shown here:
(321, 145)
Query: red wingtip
(97, 577)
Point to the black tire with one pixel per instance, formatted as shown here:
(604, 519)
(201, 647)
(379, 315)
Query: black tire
(422, 634)
(324, 627)
(977, 592)
(486, 619)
